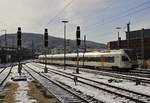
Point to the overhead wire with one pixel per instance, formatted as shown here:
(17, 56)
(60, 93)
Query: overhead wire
(55, 16)
(130, 13)
(126, 11)
(104, 34)
(101, 11)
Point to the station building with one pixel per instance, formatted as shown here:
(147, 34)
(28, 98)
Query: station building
(10, 54)
(134, 40)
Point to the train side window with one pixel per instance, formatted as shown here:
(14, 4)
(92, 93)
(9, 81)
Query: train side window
(95, 59)
(110, 59)
(91, 59)
(74, 59)
(124, 58)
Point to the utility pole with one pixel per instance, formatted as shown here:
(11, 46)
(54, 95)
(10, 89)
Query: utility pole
(33, 49)
(128, 34)
(5, 43)
(12, 41)
(84, 48)
(5, 37)
(142, 46)
(78, 44)
(119, 39)
(65, 22)
(67, 45)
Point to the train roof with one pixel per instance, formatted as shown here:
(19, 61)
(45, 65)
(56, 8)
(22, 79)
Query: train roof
(106, 52)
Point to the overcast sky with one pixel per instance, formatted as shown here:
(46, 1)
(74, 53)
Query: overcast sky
(98, 18)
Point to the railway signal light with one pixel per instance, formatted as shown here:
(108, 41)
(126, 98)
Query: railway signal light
(19, 48)
(78, 36)
(19, 36)
(46, 38)
(46, 45)
(78, 44)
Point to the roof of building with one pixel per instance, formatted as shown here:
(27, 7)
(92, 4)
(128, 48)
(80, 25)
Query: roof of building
(137, 34)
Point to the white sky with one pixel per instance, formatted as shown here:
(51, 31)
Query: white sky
(97, 18)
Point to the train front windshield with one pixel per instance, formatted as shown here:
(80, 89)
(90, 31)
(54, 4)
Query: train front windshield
(131, 54)
(125, 59)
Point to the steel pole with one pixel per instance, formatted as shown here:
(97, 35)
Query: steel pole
(5, 42)
(118, 41)
(64, 46)
(84, 49)
(142, 46)
(45, 70)
(64, 43)
(77, 70)
(128, 33)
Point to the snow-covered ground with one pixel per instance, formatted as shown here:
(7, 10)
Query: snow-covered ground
(22, 91)
(123, 83)
(99, 94)
(23, 97)
(1, 69)
(3, 76)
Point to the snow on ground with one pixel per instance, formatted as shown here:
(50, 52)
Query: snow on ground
(22, 92)
(4, 74)
(1, 69)
(123, 84)
(4, 65)
(96, 93)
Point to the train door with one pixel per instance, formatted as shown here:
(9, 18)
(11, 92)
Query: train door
(117, 61)
(102, 61)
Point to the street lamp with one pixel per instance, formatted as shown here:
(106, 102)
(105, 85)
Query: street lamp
(5, 42)
(118, 37)
(5, 36)
(64, 22)
(84, 48)
(142, 47)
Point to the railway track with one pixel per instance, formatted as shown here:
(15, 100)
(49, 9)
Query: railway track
(60, 91)
(122, 75)
(4, 74)
(137, 72)
(130, 77)
(144, 71)
(2, 69)
(132, 95)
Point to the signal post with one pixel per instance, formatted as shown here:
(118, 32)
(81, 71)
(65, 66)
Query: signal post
(19, 49)
(78, 41)
(46, 45)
